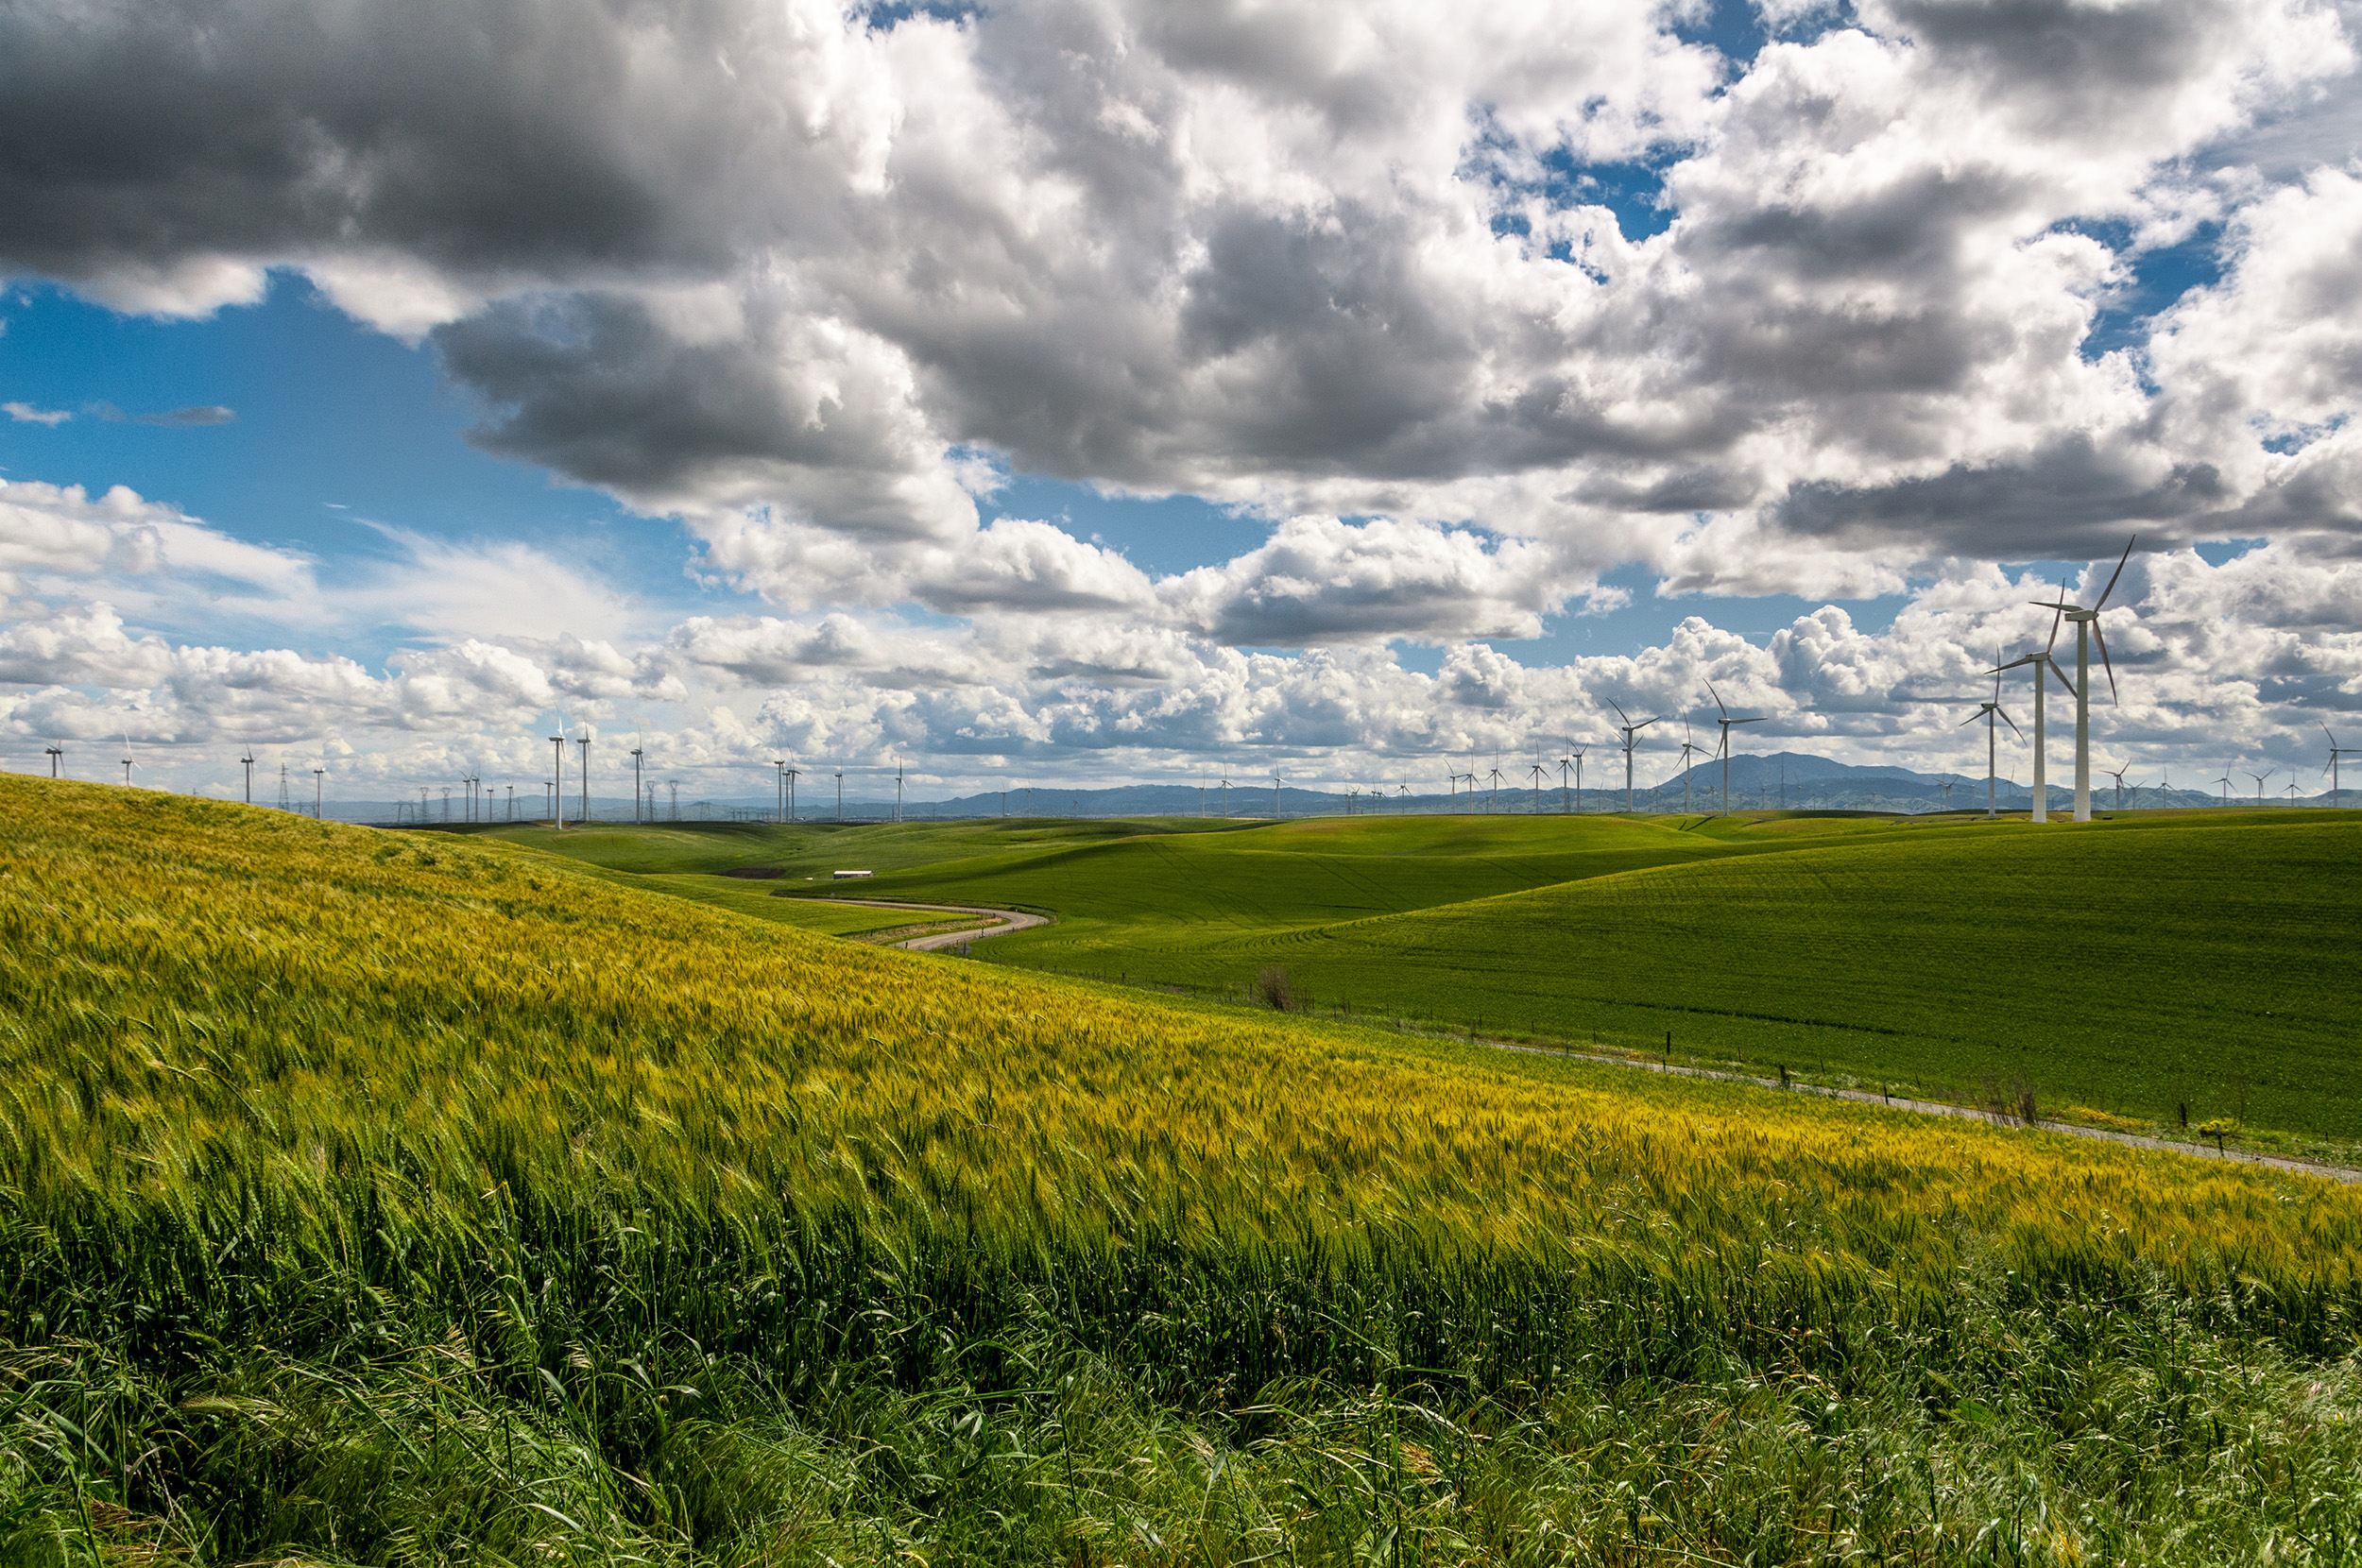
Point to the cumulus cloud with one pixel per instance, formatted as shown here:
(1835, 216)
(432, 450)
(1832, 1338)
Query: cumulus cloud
(25, 414)
(1300, 260)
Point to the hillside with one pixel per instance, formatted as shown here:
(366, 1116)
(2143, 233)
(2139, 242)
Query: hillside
(2139, 966)
(374, 1198)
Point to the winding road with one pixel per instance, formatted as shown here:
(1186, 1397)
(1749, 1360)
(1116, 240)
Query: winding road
(1011, 920)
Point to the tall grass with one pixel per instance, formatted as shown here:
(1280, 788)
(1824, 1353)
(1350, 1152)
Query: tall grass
(389, 1199)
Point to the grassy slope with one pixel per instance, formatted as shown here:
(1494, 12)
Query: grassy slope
(376, 1198)
(2133, 965)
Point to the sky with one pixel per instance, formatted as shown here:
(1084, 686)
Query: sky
(1083, 393)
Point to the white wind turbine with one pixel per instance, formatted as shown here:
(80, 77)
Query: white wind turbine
(1687, 750)
(2041, 660)
(2086, 628)
(1630, 730)
(2118, 774)
(2259, 779)
(2225, 782)
(1726, 721)
(2336, 751)
(1989, 712)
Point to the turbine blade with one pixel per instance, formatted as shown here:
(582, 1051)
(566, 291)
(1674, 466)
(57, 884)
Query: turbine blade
(2105, 663)
(2119, 571)
(2058, 612)
(2012, 724)
(1970, 719)
(2060, 674)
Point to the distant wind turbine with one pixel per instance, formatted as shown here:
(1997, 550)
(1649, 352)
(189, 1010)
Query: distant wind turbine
(2336, 751)
(897, 789)
(583, 777)
(840, 795)
(1630, 730)
(2259, 779)
(246, 761)
(2086, 628)
(320, 781)
(2225, 782)
(558, 780)
(1225, 797)
(56, 757)
(1275, 797)
(1493, 801)
(1686, 749)
(1726, 721)
(2118, 774)
(1539, 774)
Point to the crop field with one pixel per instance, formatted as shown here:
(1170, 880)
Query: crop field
(373, 1197)
(2150, 966)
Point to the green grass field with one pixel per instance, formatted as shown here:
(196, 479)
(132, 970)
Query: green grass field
(418, 1199)
(2140, 966)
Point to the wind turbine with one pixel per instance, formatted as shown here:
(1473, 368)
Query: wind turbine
(2041, 661)
(1989, 712)
(1225, 797)
(1630, 730)
(127, 761)
(1403, 791)
(2259, 779)
(1493, 801)
(2086, 628)
(584, 779)
(247, 761)
(1565, 801)
(1275, 797)
(897, 789)
(558, 781)
(320, 781)
(2225, 782)
(840, 795)
(56, 757)
(1686, 749)
(1538, 776)
(1726, 721)
(2336, 751)
(2118, 774)
(637, 753)
(792, 775)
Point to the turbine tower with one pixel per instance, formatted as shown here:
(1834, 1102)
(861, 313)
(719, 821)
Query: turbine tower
(778, 788)
(2041, 661)
(1726, 721)
(637, 753)
(897, 789)
(2259, 779)
(2086, 628)
(248, 761)
(1225, 797)
(57, 756)
(1686, 749)
(1275, 797)
(790, 774)
(840, 794)
(583, 780)
(558, 781)
(1630, 730)
(320, 782)
(2225, 782)
(2118, 774)
(1539, 772)
(1987, 712)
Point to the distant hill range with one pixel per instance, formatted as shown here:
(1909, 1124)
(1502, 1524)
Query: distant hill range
(1790, 780)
